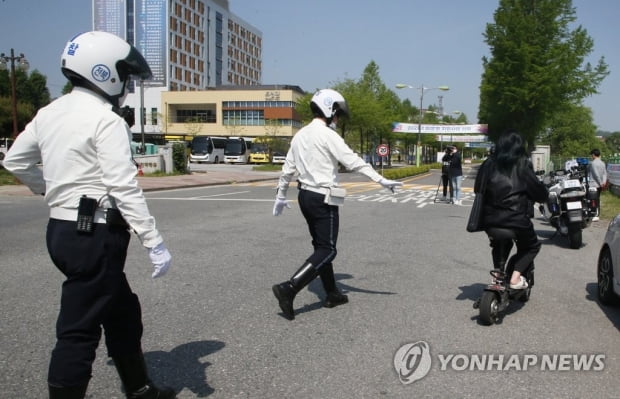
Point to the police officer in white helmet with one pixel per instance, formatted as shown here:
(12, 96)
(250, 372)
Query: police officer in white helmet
(313, 157)
(89, 181)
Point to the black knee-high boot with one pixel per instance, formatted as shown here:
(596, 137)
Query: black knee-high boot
(132, 371)
(285, 292)
(77, 392)
(334, 296)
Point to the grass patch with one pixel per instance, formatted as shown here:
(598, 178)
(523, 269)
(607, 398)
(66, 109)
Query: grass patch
(610, 205)
(268, 167)
(6, 178)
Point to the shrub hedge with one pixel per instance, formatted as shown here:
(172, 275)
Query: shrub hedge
(406, 171)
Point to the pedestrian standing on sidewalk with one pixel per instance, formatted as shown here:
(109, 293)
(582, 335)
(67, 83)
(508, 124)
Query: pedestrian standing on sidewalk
(456, 176)
(89, 181)
(597, 178)
(313, 157)
(445, 172)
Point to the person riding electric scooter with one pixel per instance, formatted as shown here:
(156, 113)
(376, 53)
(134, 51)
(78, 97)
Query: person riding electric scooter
(511, 189)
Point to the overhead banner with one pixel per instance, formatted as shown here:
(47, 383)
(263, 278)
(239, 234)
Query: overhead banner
(470, 138)
(398, 127)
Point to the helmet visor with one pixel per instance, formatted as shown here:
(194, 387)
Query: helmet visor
(133, 64)
(341, 109)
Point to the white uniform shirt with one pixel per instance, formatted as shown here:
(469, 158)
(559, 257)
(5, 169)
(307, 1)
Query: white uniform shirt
(85, 150)
(314, 155)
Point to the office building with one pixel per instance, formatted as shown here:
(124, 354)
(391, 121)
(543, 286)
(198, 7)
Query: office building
(190, 45)
(247, 111)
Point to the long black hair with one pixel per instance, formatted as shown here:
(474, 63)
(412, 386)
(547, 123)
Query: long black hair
(510, 151)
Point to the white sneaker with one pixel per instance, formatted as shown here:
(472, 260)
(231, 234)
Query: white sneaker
(521, 285)
(595, 219)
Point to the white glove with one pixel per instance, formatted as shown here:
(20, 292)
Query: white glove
(279, 205)
(161, 259)
(390, 184)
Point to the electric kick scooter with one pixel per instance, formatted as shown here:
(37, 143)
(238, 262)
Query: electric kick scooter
(497, 296)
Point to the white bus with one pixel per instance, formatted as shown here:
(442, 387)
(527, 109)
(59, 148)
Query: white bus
(5, 144)
(207, 149)
(237, 150)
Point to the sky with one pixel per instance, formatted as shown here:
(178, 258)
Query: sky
(315, 44)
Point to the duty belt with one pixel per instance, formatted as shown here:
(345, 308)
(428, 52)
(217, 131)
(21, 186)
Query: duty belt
(320, 190)
(110, 216)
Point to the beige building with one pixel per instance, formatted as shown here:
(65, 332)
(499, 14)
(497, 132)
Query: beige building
(230, 111)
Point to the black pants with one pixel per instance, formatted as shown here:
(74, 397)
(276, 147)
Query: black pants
(444, 181)
(528, 247)
(95, 294)
(323, 224)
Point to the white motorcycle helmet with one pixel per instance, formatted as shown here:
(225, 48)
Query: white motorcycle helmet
(103, 62)
(329, 103)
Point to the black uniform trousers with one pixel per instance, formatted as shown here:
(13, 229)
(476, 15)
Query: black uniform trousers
(95, 294)
(323, 224)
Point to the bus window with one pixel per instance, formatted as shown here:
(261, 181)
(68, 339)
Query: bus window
(207, 149)
(237, 150)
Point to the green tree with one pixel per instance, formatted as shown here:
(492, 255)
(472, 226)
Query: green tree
(31, 94)
(373, 108)
(66, 89)
(571, 132)
(35, 91)
(537, 66)
(303, 108)
(612, 142)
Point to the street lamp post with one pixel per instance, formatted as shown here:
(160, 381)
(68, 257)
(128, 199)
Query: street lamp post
(23, 65)
(422, 90)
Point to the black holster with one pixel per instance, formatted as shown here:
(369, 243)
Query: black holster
(113, 217)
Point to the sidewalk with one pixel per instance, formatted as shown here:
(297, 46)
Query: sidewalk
(195, 179)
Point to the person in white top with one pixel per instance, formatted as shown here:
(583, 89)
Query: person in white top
(313, 159)
(597, 178)
(89, 181)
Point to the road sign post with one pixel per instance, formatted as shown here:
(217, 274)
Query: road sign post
(383, 150)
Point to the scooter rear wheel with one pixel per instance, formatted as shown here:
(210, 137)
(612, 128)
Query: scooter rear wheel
(489, 308)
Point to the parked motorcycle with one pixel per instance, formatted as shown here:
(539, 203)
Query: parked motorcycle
(571, 203)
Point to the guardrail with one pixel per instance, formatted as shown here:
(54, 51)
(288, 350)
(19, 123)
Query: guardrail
(613, 176)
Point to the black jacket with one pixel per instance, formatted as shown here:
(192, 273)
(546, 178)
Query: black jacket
(509, 199)
(455, 165)
(445, 164)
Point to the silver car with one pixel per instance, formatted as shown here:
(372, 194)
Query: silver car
(608, 268)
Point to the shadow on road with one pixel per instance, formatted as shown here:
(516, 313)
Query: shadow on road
(316, 287)
(182, 367)
(474, 291)
(612, 312)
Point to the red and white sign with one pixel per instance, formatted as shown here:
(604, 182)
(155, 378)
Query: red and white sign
(383, 150)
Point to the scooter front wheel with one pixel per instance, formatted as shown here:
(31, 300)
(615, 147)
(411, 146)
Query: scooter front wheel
(489, 307)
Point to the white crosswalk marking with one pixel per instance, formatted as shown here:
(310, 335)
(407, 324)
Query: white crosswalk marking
(417, 195)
